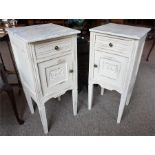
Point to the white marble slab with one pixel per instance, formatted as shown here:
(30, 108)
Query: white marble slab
(122, 30)
(41, 32)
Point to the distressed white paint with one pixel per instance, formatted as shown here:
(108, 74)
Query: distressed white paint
(102, 91)
(41, 32)
(44, 70)
(115, 54)
(121, 30)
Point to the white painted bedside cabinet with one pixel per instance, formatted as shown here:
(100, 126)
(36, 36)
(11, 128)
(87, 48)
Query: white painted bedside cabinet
(46, 58)
(115, 54)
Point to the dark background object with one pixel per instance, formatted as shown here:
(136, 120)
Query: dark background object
(4, 86)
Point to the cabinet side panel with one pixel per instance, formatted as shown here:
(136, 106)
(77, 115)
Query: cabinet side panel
(137, 62)
(91, 57)
(74, 61)
(22, 62)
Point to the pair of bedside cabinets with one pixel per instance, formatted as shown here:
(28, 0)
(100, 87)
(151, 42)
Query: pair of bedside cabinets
(46, 58)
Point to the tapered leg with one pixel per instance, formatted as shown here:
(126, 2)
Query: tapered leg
(29, 101)
(90, 95)
(129, 95)
(128, 98)
(102, 91)
(42, 113)
(75, 99)
(59, 98)
(12, 99)
(121, 107)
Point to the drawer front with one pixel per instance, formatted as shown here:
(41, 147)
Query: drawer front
(110, 69)
(114, 45)
(48, 48)
(56, 74)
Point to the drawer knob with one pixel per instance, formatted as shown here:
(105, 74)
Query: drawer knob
(110, 44)
(71, 71)
(95, 66)
(56, 47)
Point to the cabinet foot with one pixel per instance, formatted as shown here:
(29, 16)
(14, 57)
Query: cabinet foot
(90, 95)
(59, 98)
(121, 108)
(75, 99)
(42, 113)
(102, 91)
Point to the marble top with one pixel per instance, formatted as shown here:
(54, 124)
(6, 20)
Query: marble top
(41, 32)
(122, 30)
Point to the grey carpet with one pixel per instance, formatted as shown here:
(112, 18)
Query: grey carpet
(138, 118)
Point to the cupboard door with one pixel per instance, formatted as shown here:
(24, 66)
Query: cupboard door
(56, 74)
(110, 69)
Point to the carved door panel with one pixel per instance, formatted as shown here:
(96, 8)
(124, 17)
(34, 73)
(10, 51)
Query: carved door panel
(55, 74)
(110, 69)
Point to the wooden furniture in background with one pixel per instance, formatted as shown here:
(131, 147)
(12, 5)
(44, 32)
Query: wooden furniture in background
(46, 58)
(152, 35)
(151, 49)
(115, 54)
(5, 86)
(118, 21)
(4, 37)
(45, 21)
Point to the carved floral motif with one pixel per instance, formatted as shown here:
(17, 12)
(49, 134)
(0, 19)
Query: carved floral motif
(109, 68)
(56, 74)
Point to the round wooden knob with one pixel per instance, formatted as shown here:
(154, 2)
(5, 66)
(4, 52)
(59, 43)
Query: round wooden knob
(110, 44)
(95, 65)
(56, 47)
(71, 71)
